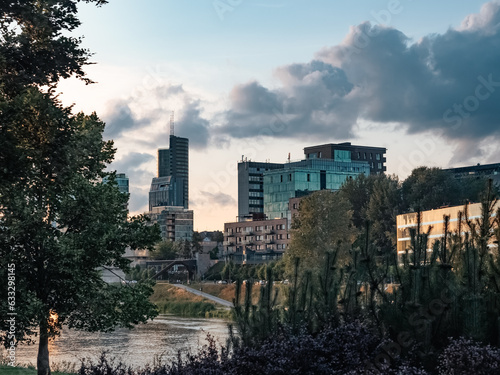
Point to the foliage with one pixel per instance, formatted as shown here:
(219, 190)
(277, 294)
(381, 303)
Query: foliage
(463, 356)
(59, 222)
(429, 188)
(166, 250)
(322, 227)
(35, 46)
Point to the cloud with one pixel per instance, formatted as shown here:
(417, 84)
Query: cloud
(120, 118)
(448, 83)
(219, 198)
(192, 125)
(132, 161)
(149, 110)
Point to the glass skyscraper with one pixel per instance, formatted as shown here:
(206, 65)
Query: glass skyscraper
(172, 162)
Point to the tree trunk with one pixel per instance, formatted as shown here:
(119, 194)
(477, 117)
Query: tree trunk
(42, 362)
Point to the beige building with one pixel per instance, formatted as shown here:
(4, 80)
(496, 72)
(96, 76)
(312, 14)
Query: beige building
(434, 219)
(255, 241)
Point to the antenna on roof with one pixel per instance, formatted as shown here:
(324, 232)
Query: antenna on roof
(172, 123)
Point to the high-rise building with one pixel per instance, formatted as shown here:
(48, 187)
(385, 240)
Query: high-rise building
(173, 162)
(251, 188)
(375, 156)
(301, 178)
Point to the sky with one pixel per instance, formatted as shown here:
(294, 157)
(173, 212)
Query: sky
(265, 78)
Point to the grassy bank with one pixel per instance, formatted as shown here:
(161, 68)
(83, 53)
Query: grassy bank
(228, 291)
(173, 300)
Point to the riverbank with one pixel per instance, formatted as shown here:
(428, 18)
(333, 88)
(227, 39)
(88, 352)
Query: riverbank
(176, 301)
(228, 291)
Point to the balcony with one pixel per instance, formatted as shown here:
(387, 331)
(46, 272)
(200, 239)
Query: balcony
(269, 231)
(247, 242)
(230, 234)
(228, 243)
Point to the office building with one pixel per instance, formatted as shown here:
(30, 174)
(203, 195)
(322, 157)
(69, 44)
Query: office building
(165, 191)
(251, 188)
(255, 241)
(478, 171)
(374, 156)
(434, 220)
(174, 162)
(176, 223)
(299, 179)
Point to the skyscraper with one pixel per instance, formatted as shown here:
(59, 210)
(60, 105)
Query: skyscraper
(173, 162)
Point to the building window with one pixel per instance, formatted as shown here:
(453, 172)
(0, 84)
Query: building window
(364, 155)
(281, 178)
(378, 156)
(289, 177)
(379, 165)
(371, 156)
(308, 177)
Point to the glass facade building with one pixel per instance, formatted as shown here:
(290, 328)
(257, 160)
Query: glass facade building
(301, 178)
(173, 162)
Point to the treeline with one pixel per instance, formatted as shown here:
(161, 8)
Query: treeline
(344, 269)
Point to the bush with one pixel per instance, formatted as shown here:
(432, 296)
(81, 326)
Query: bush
(463, 357)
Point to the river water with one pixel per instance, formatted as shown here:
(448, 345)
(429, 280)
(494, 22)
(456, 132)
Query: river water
(160, 339)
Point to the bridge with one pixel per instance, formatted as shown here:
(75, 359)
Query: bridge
(167, 265)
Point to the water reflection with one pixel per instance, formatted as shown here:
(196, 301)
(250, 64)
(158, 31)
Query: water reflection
(163, 337)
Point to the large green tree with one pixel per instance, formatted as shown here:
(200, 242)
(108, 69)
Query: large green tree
(59, 223)
(322, 226)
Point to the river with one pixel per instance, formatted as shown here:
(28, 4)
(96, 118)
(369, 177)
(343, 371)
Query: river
(161, 338)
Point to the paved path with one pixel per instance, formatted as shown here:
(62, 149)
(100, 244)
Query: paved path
(206, 295)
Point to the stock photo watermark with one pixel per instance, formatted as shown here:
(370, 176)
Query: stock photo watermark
(11, 314)
(223, 6)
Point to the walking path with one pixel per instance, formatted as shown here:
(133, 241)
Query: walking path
(206, 295)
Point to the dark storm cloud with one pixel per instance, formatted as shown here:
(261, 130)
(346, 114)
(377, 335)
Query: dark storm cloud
(449, 83)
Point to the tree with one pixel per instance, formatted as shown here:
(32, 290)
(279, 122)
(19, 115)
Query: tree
(358, 192)
(430, 188)
(165, 250)
(196, 243)
(59, 223)
(381, 212)
(322, 226)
